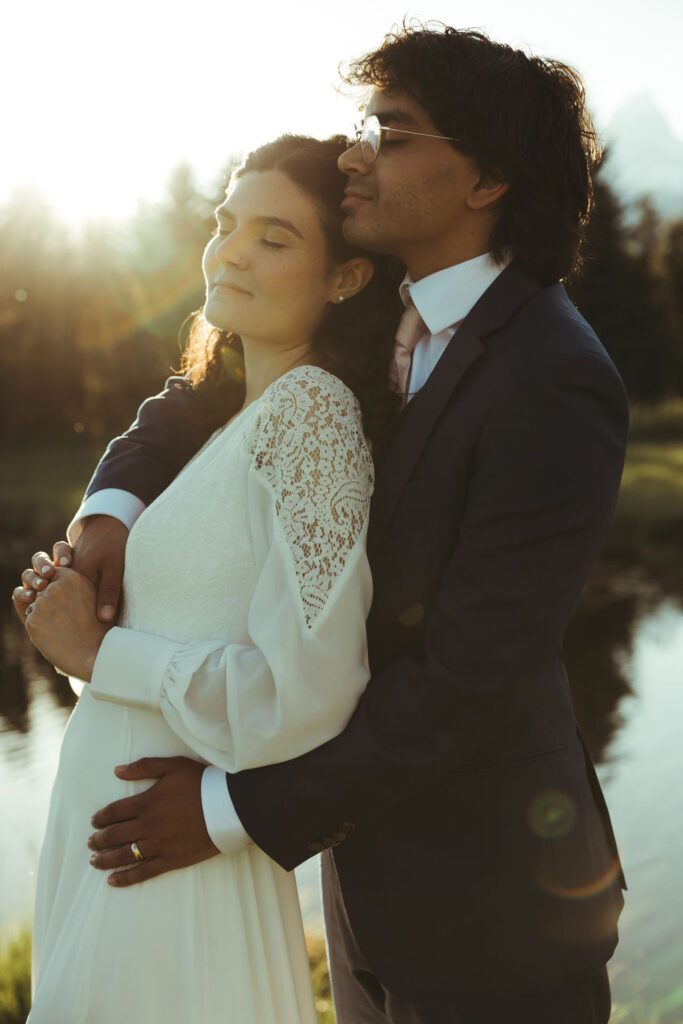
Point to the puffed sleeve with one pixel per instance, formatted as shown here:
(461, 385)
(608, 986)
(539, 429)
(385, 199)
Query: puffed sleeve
(298, 682)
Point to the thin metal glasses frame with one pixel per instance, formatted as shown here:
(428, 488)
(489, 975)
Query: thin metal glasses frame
(371, 127)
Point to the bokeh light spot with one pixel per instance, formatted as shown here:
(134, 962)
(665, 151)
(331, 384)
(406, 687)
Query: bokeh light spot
(552, 814)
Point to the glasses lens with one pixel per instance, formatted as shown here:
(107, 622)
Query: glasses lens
(369, 139)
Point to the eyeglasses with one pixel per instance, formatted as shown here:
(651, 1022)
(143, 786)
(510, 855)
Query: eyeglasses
(369, 136)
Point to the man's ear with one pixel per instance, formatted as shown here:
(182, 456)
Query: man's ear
(351, 277)
(486, 193)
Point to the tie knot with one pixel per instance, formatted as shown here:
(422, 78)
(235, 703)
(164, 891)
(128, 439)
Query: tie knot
(410, 329)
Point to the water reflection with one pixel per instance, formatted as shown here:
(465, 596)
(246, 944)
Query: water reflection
(21, 665)
(597, 646)
(597, 650)
(624, 652)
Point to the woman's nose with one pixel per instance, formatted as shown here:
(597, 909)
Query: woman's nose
(230, 250)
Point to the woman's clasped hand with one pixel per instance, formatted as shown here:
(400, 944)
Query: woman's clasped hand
(58, 608)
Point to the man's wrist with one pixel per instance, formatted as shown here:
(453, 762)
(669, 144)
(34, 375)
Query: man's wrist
(220, 817)
(111, 501)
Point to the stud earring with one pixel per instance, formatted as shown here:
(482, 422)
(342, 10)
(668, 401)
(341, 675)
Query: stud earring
(340, 299)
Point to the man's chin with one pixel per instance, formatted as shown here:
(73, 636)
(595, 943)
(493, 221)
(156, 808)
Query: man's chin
(362, 235)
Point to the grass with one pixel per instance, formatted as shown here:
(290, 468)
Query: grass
(15, 978)
(15, 975)
(650, 507)
(317, 958)
(661, 422)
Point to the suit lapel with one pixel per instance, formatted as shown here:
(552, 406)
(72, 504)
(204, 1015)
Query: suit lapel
(417, 421)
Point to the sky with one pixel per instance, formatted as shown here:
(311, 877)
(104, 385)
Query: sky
(101, 101)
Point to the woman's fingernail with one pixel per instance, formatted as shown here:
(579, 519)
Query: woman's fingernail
(63, 560)
(28, 593)
(45, 569)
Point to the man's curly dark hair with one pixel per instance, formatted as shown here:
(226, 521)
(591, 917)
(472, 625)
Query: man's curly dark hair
(522, 119)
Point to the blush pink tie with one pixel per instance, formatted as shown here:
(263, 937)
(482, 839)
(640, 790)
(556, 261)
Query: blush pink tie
(410, 330)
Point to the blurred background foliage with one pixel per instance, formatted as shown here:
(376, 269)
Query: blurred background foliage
(89, 324)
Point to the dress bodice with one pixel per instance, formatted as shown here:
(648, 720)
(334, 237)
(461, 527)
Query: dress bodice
(190, 560)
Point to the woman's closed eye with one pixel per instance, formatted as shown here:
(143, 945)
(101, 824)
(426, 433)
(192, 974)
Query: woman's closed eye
(222, 232)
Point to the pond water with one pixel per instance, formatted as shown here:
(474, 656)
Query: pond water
(624, 652)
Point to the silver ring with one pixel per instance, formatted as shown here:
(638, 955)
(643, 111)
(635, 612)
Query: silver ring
(29, 608)
(136, 851)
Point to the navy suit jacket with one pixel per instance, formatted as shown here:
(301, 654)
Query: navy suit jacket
(470, 835)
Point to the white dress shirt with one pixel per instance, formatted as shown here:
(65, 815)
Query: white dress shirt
(442, 299)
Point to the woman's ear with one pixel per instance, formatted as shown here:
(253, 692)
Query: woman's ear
(350, 278)
(486, 193)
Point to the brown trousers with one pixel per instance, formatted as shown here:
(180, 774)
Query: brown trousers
(361, 998)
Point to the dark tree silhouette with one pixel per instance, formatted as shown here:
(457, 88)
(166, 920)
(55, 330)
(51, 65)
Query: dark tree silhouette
(621, 297)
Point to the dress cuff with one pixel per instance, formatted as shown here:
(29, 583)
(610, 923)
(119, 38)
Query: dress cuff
(130, 668)
(220, 817)
(110, 501)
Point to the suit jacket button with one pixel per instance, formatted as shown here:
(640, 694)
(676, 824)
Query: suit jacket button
(339, 837)
(315, 847)
(347, 826)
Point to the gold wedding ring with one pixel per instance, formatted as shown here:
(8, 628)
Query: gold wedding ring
(136, 851)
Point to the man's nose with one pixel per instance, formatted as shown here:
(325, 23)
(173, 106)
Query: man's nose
(351, 161)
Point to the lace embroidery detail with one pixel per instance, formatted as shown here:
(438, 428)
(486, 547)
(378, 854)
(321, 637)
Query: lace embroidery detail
(308, 443)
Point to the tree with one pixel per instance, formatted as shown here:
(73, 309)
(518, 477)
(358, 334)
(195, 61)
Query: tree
(620, 296)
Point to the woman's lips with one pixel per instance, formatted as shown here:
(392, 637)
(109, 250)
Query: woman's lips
(227, 286)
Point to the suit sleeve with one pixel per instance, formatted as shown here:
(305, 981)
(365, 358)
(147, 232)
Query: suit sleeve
(541, 497)
(169, 428)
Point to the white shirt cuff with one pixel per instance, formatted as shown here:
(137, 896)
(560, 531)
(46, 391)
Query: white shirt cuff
(130, 668)
(108, 502)
(220, 817)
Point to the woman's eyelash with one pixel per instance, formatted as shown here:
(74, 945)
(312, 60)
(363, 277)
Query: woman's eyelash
(219, 232)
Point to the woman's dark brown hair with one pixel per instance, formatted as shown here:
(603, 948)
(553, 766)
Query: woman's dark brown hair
(522, 119)
(355, 338)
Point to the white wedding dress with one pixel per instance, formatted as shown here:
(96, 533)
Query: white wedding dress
(242, 643)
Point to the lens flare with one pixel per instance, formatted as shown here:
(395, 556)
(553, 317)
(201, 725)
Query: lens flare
(552, 814)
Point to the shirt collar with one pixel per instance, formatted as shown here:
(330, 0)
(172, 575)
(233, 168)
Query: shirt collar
(446, 297)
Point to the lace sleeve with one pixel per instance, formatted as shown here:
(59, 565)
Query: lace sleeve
(308, 444)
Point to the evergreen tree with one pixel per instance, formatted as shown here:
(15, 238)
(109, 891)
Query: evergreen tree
(619, 294)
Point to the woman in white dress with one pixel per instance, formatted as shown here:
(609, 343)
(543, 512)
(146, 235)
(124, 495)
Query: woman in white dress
(242, 636)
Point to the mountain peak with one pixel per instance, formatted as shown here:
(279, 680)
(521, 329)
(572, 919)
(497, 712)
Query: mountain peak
(640, 115)
(644, 156)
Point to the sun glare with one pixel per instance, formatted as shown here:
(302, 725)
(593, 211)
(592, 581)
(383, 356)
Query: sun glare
(104, 104)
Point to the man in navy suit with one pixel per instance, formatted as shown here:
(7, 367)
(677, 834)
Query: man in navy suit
(475, 878)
